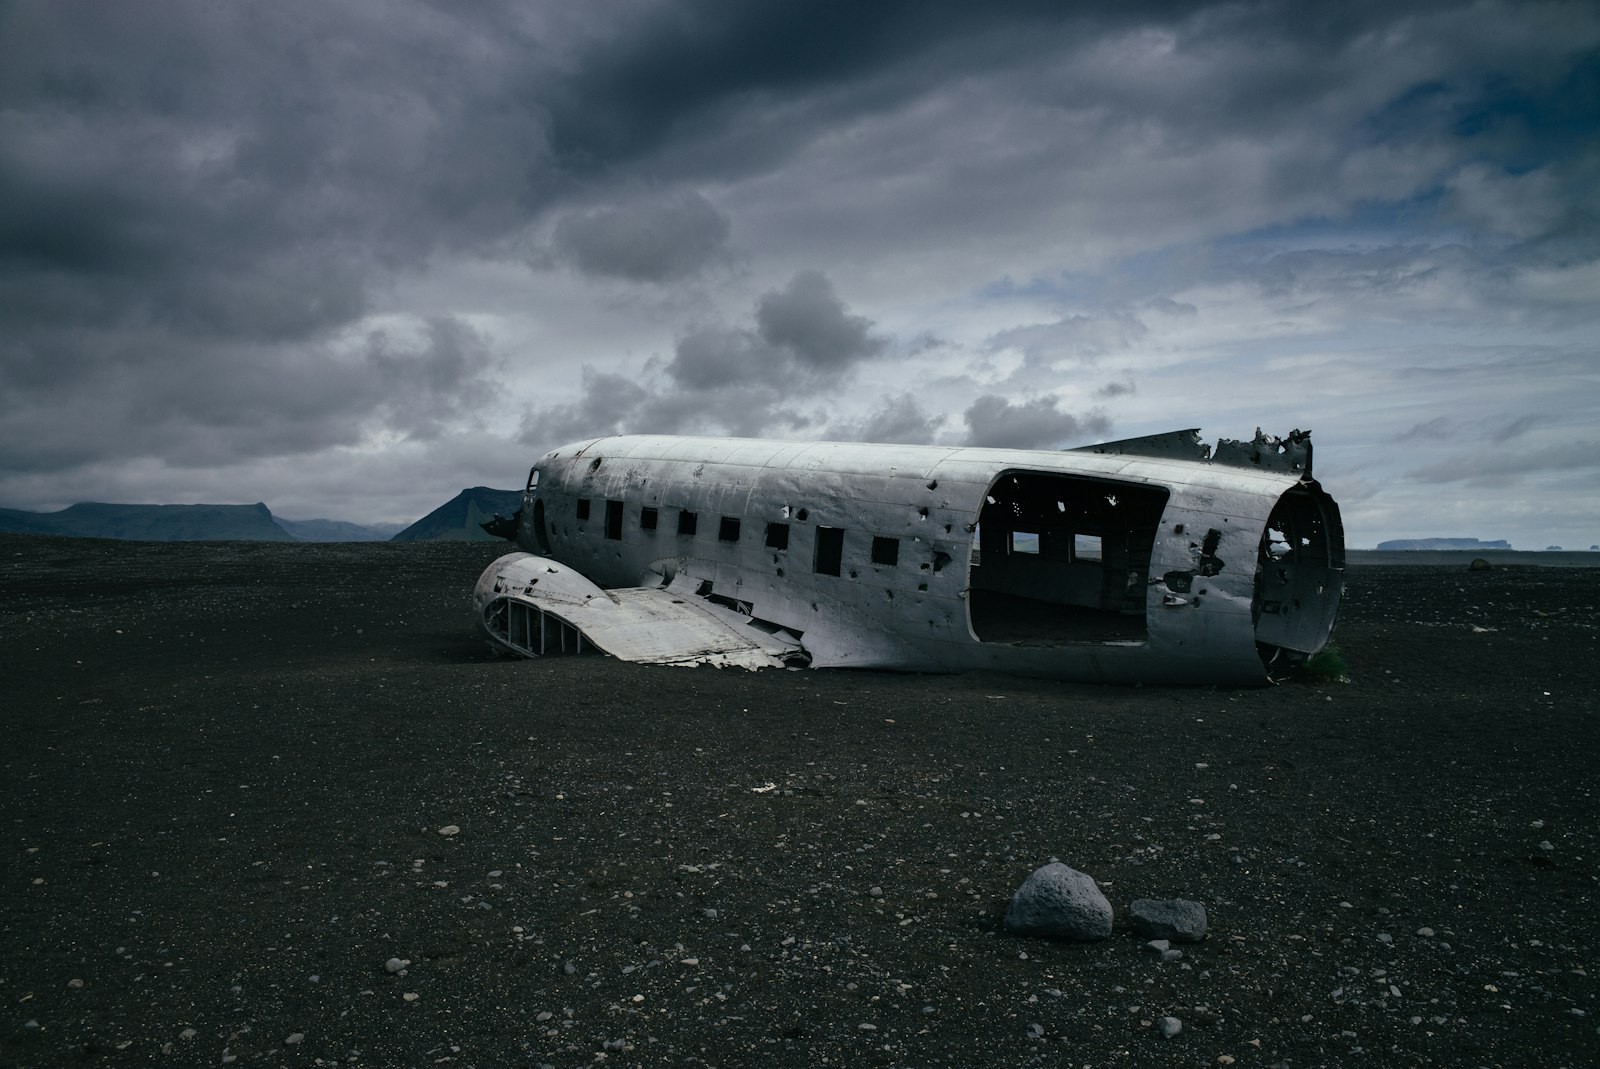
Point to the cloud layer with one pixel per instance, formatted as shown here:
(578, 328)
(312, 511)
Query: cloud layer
(302, 252)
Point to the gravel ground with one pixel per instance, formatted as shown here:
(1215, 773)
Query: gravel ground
(231, 771)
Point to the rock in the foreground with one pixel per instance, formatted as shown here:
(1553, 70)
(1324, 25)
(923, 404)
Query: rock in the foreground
(1059, 902)
(1177, 919)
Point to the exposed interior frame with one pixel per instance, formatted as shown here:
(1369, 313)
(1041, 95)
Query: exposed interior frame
(1062, 559)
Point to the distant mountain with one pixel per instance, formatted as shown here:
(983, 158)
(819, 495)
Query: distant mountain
(458, 518)
(338, 530)
(152, 523)
(1443, 543)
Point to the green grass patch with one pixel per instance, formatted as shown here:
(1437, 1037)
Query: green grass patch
(1327, 665)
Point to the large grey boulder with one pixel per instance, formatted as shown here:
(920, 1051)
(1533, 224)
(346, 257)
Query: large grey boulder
(1059, 902)
(1177, 919)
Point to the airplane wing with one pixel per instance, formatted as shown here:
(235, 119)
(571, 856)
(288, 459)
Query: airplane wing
(534, 606)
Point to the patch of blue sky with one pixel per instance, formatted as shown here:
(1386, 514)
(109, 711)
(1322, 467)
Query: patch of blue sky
(1366, 224)
(1556, 120)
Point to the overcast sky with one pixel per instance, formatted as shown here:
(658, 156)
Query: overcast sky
(347, 259)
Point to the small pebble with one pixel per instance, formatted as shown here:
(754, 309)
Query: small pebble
(394, 965)
(1169, 1027)
(1426, 933)
(449, 830)
(411, 996)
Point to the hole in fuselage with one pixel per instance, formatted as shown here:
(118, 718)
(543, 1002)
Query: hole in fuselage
(1060, 559)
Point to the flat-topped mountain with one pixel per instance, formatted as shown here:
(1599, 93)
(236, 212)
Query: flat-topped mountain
(1443, 543)
(151, 523)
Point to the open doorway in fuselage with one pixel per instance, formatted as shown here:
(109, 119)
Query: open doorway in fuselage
(1061, 559)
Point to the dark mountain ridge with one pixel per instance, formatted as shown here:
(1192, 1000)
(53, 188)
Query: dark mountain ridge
(151, 523)
(458, 518)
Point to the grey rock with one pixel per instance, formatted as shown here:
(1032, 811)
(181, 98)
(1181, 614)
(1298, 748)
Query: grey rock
(1169, 1026)
(1059, 902)
(1177, 919)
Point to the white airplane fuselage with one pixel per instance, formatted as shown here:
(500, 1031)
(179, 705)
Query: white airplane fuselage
(1114, 566)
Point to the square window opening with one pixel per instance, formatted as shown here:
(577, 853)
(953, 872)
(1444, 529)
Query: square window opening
(647, 519)
(885, 551)
(583, 508)
(728, 529)
(777, 536)
(1025, 542)
(688, 522)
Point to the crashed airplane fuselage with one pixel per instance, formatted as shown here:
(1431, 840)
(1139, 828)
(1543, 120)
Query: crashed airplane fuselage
(1147, 560)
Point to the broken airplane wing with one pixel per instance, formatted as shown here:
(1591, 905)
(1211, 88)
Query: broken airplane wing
(1147, 560)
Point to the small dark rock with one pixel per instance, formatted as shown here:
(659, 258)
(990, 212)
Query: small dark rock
(1177, 919)
(1059, 902)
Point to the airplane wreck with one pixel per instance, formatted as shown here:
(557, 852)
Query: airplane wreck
(1155, 559)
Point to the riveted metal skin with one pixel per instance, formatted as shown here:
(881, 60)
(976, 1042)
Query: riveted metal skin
(1179, 568)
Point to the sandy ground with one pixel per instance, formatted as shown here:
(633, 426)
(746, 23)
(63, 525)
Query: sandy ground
(226, 766)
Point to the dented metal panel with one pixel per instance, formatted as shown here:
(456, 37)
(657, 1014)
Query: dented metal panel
(1138, 562)
(652, 626)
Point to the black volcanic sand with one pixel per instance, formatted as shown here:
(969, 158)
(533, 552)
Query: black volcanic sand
(226, 767)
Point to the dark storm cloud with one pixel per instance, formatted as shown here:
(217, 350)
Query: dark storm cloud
(198, 405)
(899, 419)
(744, 380)
(654, 240)
(1036, 424)
(694, 71)
(801, 332)
(197, 201)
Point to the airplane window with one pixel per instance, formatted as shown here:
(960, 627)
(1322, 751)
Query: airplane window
(1025, 542)
(777, 536)
(687, 522)
(885, 551)
(614, 520)
(533, 478)
(830, 550)
(583, 508)
(728, 531)
(647, 519)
